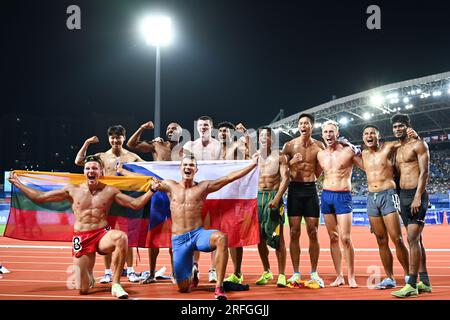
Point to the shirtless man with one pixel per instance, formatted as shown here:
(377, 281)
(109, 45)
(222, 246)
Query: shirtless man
(273, 182)
(91, 202)
(161, 150)
(204, 148)
(383, 204)
(302, 194)
(412, 163)
(231, 150)
(188, 234)
(336, 202)
(111, 158)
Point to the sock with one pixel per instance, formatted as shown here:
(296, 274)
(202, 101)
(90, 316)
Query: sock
(412, 281)
(108, 271)
(424, 278)
(130, 270)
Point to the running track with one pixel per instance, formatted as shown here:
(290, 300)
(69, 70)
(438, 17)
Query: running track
(39, 271)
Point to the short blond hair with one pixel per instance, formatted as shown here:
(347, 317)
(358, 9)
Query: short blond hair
(330, 122)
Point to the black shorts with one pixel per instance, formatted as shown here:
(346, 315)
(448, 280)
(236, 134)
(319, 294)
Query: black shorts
(406, 198)
(303, 200)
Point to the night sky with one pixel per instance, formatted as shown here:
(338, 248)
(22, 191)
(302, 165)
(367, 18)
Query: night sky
(233, 60)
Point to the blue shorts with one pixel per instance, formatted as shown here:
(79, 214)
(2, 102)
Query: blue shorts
(337, 202)
(183, 247)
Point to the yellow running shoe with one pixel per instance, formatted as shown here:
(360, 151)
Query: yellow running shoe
(264, 279)
(235, 279)
(281, 281)
(406, 291)
(423, 288)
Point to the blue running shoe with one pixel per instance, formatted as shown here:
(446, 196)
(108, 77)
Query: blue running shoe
(387, 283)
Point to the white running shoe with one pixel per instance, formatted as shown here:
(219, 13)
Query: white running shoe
(117, 291)
(316, 278)
(296, 277)
(132, 277)
(107, 278)
(3, 269)
(212, 277)
(160, 272)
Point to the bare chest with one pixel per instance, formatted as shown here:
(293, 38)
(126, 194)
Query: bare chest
(182, 196)
(405, 154)
(162, 152)
(86, 200)
(376, 161)
(309, 152)
(269, 165)
(335, 161)
(211, 151)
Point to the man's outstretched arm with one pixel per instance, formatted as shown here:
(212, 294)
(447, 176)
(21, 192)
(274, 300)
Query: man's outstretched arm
(37, 195)
(133, 203)
(215, 185)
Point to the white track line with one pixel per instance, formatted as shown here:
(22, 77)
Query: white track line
(87, 297)
(230, 270)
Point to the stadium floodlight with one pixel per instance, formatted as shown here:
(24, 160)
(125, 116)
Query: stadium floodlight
(405, 100)
(409, 106)
(448, 91)
(157, 31)
(418, 91)
(317, 125)
(343, 121)
(367, 116)
(376, 100)
(437, 93)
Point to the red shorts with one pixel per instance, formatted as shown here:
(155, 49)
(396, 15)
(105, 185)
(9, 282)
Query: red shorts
(84, 242)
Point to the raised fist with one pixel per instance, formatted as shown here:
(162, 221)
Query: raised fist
(297, 158)
(148, 125)
(93, 139)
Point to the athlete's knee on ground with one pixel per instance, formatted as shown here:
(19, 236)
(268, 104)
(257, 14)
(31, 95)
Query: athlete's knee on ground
(84, 291)
(184, 286)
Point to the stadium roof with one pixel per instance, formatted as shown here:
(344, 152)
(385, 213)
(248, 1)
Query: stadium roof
(426, 100)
